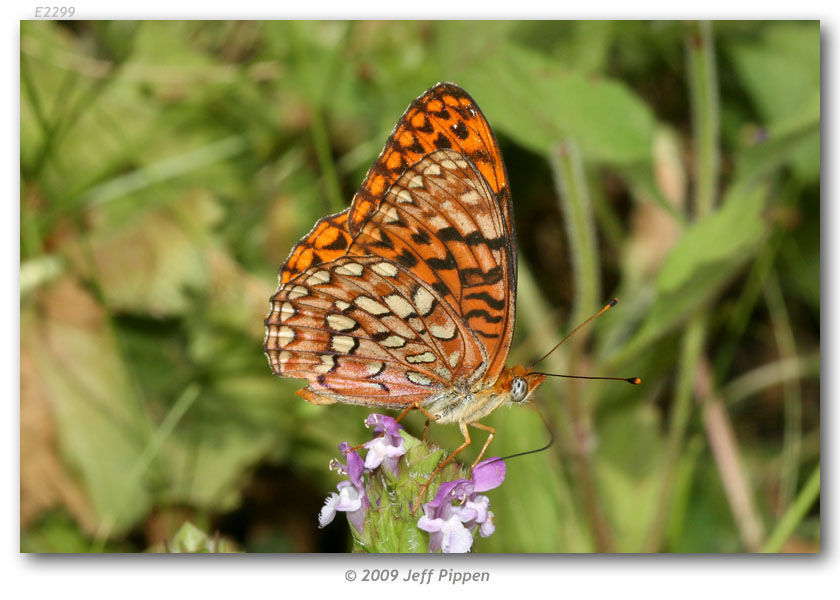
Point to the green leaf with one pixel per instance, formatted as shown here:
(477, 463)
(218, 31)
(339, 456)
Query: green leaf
(710, 252)
(536, 102)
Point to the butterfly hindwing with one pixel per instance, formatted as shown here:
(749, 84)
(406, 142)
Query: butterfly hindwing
(363, 330)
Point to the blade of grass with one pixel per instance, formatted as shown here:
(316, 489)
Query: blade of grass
(317, 127)
(795, 513)
(792, 441)
(774, 373)
(150, 451)
(724, 447)
(692, 347)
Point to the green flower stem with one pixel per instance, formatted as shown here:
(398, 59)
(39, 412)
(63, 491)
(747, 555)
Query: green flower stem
(575, 203)
(705, 112)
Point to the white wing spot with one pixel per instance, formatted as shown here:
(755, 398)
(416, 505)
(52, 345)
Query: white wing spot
(327, 364)
(342, 343)
(374, 368)
(425, 357)
(424, 301)
(390, 214)
(393, 341)
(405, 197)
(432, 169)
(399, 305)
(341, 322)
(297, 292)
(443, 332)
(351, 268)
(318, 278)
(285, 335)
(418, 378)
(416, 181)
(283, 358)
(438, 222)
(342, 305)
(370, 305)
(385, 269)
(286, 311)
(471, 198)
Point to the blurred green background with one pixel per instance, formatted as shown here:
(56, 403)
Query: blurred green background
(168, 167)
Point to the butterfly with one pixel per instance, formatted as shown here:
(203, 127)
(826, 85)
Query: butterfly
(406, 299)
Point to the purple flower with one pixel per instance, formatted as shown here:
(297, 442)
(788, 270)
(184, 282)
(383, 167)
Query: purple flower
(451, 525)
(387, 448)
(351, 496)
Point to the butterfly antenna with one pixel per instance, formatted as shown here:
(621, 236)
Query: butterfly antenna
(537, 450)
(608, 306)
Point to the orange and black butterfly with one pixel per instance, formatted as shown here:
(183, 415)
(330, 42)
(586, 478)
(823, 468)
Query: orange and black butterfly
(407, 298)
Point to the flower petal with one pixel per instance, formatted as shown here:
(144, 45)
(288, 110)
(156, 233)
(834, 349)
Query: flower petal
(328, 511)
(488, 474)
(456, 537)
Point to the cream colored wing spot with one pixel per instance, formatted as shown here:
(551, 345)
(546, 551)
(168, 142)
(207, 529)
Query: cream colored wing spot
(417, 378)
(341, 322)
(286, 311)
(370, 305)
(394, 341)
(425, 357)
(353, 269)
(424, 301)
(328, 363)
(343, 343)
(471, 198)
(432, 170)
(443, 332)
(453, 358)
(298, 291)
(374, 368)
(318, 278)
(399, 306)
(285, 335)
(342, 305)
(416, 181)
(405, 197)
(385, 269)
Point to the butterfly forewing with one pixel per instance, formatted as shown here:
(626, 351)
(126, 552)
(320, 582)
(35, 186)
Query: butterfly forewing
(440, 220)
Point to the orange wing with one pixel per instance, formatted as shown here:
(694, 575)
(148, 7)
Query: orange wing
(444, 117)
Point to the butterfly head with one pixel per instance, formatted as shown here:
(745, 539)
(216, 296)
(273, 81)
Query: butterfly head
(519, 383)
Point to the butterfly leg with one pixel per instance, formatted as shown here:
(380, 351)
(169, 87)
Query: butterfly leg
(467, 441)
(492, 433)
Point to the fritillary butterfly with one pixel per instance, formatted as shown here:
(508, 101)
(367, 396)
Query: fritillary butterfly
(406, 299)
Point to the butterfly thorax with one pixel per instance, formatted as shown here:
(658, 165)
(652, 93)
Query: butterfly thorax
(455, 405)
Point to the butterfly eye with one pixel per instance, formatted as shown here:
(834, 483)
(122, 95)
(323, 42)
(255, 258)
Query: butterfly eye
(518, 389)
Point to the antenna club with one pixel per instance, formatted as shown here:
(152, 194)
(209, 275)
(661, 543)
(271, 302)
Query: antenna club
(613, 302)
(634, 380)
